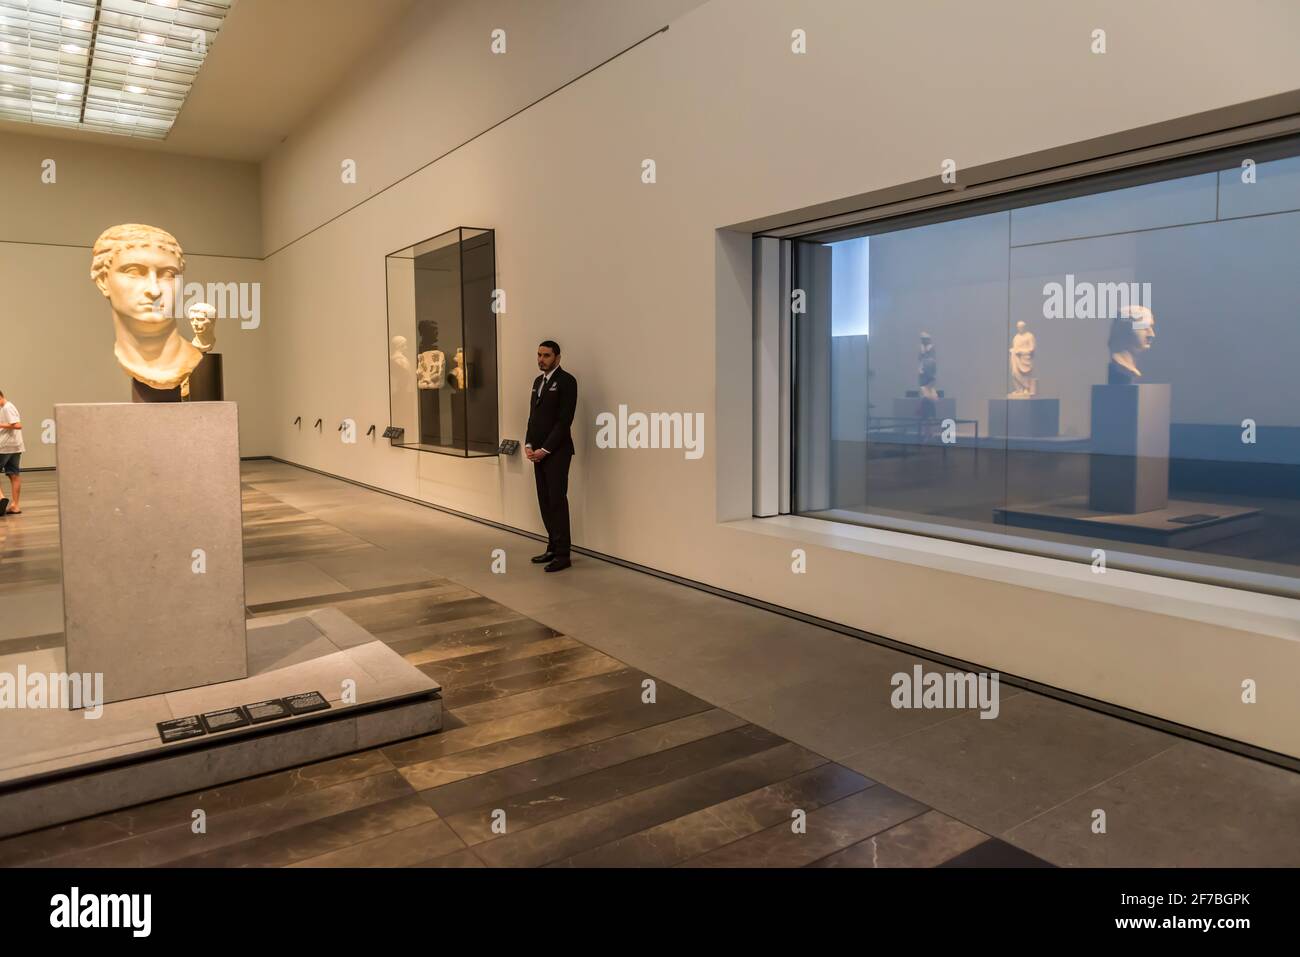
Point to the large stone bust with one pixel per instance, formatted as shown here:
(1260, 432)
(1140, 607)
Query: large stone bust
(136, 268)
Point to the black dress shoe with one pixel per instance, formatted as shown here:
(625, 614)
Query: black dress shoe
(559, 564)
(543, 558)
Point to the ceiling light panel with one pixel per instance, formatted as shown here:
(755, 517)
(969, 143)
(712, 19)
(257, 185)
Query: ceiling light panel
(113, 66)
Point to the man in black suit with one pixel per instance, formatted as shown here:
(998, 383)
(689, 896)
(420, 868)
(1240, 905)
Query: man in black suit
(548, 444)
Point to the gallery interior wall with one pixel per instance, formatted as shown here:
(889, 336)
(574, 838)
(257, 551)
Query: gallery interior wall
(57, 329)
(626, 276)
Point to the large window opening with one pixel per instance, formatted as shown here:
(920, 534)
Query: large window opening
(1108, 366)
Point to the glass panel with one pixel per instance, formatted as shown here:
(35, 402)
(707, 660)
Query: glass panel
(442, 343)
(998, 371)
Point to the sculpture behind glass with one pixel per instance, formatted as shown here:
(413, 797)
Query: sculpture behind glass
(1131, 334)
(1023, 345)
(442, 334)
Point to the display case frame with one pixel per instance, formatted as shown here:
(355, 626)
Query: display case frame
(441, 304)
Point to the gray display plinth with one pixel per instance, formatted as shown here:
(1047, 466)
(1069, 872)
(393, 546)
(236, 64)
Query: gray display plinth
(1027, 418)
(1130, 448)
(151, 538)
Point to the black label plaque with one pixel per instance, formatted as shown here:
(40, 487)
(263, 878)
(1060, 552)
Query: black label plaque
(508, 447)
(306, 702)
(394, 432)
(178, 729)
(266, 710)
(225, 719)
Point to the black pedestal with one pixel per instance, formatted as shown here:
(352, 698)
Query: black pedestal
(206, 383)
(147, 393)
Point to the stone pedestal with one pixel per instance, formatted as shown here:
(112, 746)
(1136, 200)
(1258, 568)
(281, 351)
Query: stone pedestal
(1130, 448)
(151, 539)
(1029, 417)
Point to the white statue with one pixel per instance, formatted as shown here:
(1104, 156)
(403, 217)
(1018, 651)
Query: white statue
(459, 371)
(927, 373)
(202, 316)
(430, 369)
(136, 268)
(1023, 345)
(399, 373)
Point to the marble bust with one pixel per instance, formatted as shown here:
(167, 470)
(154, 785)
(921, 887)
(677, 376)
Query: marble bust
(1022, 349)
(135, 267)
(1131, 334)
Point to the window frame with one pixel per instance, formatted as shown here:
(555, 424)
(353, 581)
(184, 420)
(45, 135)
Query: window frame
(1089, 176)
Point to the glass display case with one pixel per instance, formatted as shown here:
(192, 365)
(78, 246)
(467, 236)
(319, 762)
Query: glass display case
(1103, 363)
(442, 344)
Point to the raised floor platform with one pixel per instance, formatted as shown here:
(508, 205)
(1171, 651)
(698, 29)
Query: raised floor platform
(1178, 525)
(58, 765)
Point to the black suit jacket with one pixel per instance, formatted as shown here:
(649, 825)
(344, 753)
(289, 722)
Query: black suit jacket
(550, 417)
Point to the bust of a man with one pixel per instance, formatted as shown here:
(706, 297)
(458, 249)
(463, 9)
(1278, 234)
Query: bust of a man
(136, 267)
(1131, 334)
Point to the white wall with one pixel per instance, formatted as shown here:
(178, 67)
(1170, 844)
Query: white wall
(56, 330)
(649, 300)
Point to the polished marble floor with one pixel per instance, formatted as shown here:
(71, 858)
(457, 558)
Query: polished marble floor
(552, 756)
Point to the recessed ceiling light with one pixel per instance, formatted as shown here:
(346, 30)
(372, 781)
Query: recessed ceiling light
(120, 49)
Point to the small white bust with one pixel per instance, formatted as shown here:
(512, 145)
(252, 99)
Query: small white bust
(202, 316)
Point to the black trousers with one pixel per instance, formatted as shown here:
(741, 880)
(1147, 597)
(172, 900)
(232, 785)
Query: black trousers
(552, 475)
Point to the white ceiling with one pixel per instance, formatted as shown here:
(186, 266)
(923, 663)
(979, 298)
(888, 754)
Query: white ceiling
(273, 64)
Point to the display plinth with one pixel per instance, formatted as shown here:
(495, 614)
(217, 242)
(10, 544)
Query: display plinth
(151, 538)
(58, 765)
(1030, 417)
(1129, 464)
(1179, 524)
(207, 381)
(913, 407)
